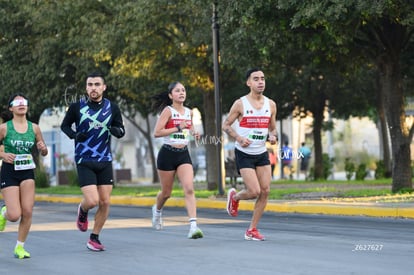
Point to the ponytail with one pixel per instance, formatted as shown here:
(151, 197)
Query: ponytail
(162, 100)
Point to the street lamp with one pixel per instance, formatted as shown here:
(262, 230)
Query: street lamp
(217, 99)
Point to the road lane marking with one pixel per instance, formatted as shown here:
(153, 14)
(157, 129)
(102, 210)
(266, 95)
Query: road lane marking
(120, 223)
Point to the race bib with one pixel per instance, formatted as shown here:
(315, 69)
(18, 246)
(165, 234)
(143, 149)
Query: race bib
(24, 162)
(258, 137)
(180, 137)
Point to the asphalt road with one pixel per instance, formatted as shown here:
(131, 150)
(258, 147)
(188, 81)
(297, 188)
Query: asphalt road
(295, 244)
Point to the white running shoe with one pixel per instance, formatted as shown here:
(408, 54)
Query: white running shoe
(156, 219)
(195, 233)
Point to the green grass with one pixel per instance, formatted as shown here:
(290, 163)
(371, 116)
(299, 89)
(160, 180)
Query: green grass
(279, 189)
(138, 191)
(336, 182)
(338, 188)
(276, 194)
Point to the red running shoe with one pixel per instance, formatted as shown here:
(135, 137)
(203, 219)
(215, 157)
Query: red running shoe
(95, 245)
(253, 235)
(232, 204)
(82, 221)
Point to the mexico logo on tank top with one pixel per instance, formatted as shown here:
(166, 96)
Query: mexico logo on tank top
(254, 125)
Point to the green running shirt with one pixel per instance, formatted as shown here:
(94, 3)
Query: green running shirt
(19, 143)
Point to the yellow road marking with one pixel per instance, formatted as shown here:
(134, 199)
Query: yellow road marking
(118, 223)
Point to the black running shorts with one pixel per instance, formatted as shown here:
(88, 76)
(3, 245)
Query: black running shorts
(95, 173)
(169, 158)
(244, 160)
(11, 177)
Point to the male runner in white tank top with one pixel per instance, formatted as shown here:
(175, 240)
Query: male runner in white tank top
(256, 116)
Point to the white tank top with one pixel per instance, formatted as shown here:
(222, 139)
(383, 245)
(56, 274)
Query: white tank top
(254, 125)
(178, 138)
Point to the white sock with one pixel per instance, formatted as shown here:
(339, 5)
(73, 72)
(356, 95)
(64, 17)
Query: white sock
(193, 222)
(19, 243)
(158, 212)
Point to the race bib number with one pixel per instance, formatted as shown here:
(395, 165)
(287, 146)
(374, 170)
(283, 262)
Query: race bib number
(180, 136)
(24, 162)
(257, 137)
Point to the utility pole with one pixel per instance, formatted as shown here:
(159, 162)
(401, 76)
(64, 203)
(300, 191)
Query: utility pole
(217, 99)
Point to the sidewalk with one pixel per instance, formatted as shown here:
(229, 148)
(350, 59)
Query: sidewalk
(370, 206)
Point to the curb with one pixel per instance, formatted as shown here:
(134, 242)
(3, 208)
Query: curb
(404, 210)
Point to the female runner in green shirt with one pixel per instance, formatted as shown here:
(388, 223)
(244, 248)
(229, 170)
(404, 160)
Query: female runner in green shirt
(18, 136)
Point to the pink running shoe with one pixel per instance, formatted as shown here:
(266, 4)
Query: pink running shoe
(95, 245)
(82, 221)
(253, 235)
(232, 204)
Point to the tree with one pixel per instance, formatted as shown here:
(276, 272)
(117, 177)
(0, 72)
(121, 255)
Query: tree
(382, 32)
(166, 44)
(327, 41)
(305, 67)
(45, 46)
(140, 45)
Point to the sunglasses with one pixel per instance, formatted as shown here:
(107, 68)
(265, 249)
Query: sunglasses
(19, 102)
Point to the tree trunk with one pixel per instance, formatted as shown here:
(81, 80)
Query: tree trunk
(318, 117)
(392, 94)
(148, 136)
(384, 136)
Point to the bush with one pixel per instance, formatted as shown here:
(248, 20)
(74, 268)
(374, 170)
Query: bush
(349, 168)
(361, 172)
(311, 174)
(41, 177)
(73, 177)
(380, 170)
(327, 165)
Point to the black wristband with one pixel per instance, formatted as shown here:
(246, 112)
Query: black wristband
(178, 127)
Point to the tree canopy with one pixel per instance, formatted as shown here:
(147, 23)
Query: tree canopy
(313, 53)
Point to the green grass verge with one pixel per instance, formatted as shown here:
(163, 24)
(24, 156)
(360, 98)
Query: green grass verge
(328, 188)
(336, 182)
